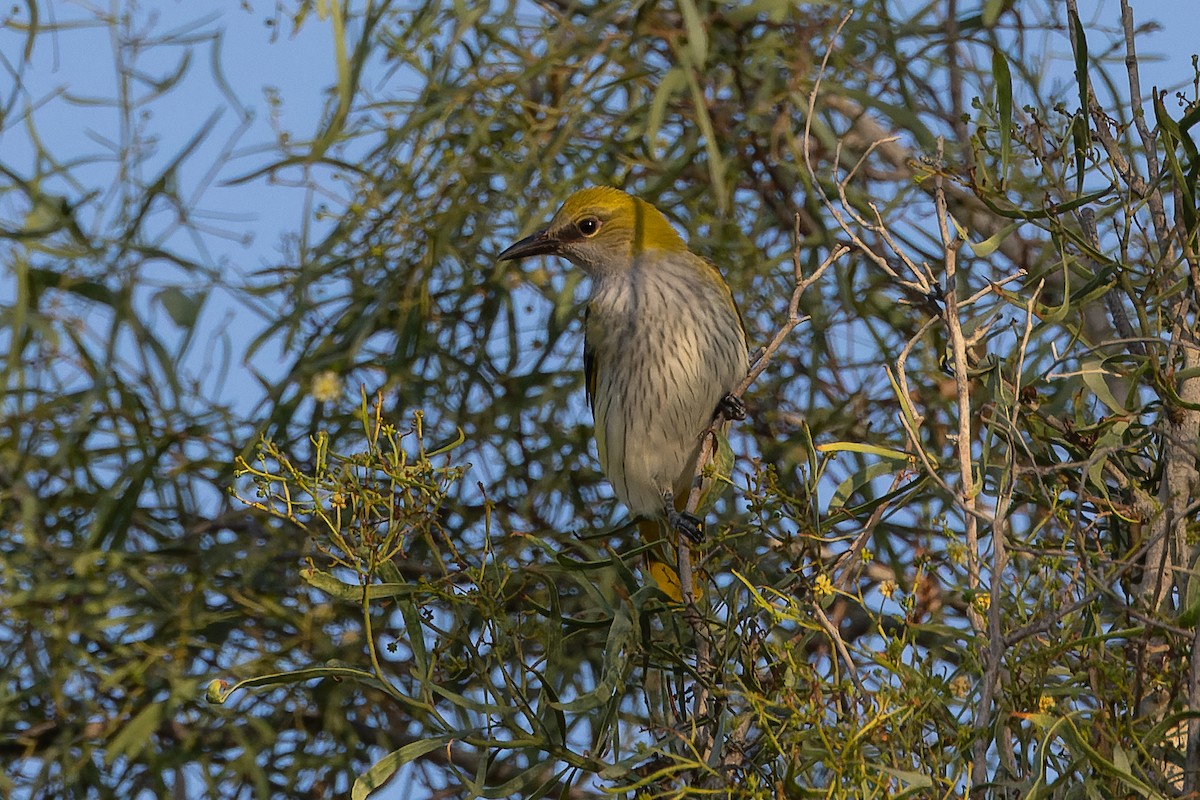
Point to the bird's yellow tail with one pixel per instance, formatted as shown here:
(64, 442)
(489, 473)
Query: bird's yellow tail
(660, 560)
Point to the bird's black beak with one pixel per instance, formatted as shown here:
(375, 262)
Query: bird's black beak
(539, 244)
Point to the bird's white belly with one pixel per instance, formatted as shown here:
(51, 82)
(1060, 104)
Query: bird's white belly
(665, 348)
(652, 435)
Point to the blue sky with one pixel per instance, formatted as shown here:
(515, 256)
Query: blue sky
(279, 80)
(1165, 54)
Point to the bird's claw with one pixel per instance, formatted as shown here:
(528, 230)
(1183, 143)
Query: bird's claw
(732, 407)
(687, 525)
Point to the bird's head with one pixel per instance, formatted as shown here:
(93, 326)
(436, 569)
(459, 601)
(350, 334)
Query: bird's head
(601, 230)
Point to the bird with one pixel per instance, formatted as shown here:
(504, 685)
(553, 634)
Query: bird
(664, 348)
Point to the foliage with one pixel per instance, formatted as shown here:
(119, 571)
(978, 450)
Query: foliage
(958, 554)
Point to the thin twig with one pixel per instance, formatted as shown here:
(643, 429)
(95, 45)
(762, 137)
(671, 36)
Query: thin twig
(1149, 139)
(793, 319)
(850, 556)
(958, 350)
(840, 647)
(899, 376)
(921, 285)
(996, 641)
(1112, 301)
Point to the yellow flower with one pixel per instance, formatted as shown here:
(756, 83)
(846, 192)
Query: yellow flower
(888, 589)
(1045, 703)
(326, 387)
(822, 587)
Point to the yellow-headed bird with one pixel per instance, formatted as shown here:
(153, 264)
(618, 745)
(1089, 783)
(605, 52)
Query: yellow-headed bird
(664, 347)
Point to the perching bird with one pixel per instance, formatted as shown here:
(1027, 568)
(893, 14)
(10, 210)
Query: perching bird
(663, 348)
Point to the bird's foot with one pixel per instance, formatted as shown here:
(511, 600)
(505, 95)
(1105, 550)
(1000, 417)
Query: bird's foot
(687, 525)
(732, 407)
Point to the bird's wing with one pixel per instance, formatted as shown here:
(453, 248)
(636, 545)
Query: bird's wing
(589, 366)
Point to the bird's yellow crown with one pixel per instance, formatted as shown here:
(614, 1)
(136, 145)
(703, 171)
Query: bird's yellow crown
(623, 216)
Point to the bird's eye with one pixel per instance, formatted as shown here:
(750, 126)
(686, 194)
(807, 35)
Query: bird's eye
(589, 226)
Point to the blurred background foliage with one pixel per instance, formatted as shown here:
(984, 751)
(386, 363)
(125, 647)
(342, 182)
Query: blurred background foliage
(959, 552)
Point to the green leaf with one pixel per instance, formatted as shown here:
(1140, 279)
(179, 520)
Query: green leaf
(1190, 616)
(31, 29)
(1065, 729)
(868, 506)
(134, 735)
(871, 449)
(1049, 210)
(182, 307)
(549, 784)
(1093, 373)
(616, 666)
(219, 691)
(415, 636)
(353, 592)
(1079, 47)
(991, 244)
(1113, 437)
(1004, 110)
(712, 148)
(672, 83)
(991, 12)
(912, 780)
(1185, 180)
(1081, 136)
(696, 50)
(385, 768)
